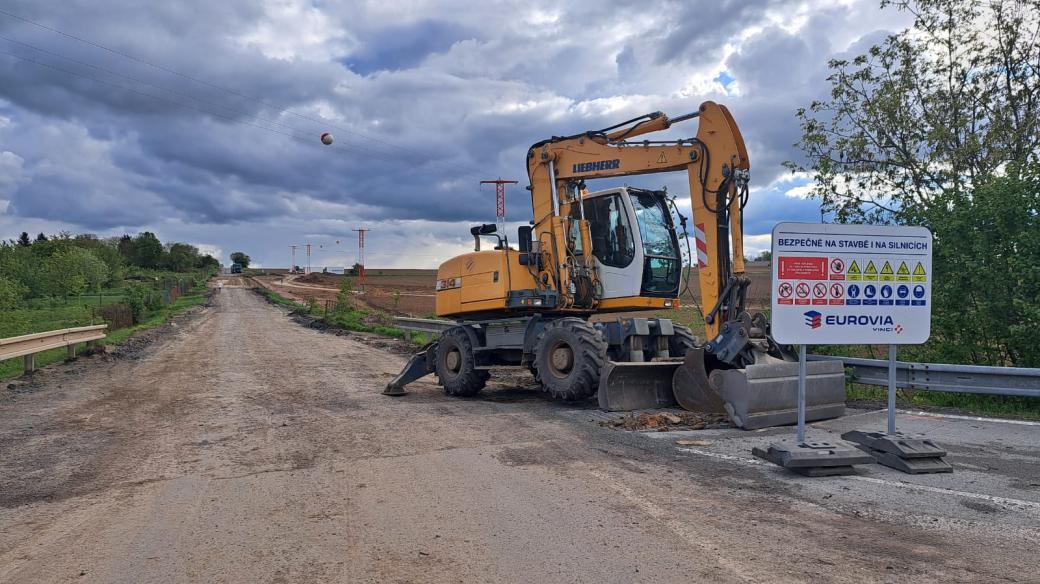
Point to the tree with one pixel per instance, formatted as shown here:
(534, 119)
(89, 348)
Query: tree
(23, 240)
(986, 286)
(765, 256)
(11, 293)
(41, 237)
(939, 126)
(146, 251)
(181, 257)
(240, 259)
(125, 246)
(928, 113)
(345, 296)
(62, 273)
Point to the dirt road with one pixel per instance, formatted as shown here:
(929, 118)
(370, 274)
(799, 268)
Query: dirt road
(246, 448)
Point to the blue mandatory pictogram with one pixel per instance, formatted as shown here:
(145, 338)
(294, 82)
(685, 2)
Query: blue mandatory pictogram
(869, 290)
(918, 291)
(852, 291)
(903, 291)
(886, 291)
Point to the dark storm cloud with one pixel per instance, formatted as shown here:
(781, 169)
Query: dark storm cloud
(405, 46)
(424, 103)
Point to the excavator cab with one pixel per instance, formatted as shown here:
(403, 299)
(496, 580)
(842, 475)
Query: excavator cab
(635, 246)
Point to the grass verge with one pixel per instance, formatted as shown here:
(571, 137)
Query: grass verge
(14, 367)
(993, 405)
(351, 320)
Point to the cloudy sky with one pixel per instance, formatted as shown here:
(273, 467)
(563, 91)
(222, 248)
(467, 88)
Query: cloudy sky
(199, 120)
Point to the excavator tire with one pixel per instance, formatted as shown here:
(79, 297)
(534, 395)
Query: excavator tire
(682, 339)
(569, 355)
(456, 365)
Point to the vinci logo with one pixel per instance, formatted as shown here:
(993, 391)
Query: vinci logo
(813, 319)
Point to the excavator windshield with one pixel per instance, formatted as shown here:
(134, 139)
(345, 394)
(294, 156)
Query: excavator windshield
(663, 264)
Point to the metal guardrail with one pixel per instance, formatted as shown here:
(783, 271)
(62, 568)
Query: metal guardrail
(978, 379)
(28, 345)
(426, 325)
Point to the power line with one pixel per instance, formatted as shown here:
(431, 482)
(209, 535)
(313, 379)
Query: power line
(143, 82)
(149, 95)
(325, 123)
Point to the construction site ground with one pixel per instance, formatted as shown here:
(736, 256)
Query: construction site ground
(411, 292)
(237, 446)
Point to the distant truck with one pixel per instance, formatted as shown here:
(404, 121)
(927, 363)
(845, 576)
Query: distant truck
(236, 268)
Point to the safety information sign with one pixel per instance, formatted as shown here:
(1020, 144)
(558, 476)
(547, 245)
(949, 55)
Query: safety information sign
(851, 284)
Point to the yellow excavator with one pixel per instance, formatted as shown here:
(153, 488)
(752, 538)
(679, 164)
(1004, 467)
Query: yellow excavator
(619, 250)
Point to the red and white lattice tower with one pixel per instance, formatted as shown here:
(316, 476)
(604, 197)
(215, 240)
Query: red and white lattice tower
(361, 258)
(500, 200)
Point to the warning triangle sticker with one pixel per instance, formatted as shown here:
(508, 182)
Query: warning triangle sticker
(919, 270)
(854, 269)
(903, 270)
(887, 270)
(871, 270)
(662, 159)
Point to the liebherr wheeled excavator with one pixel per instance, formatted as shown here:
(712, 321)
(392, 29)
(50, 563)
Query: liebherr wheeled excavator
(619, 251)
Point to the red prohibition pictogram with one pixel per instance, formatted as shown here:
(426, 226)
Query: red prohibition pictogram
(802, 289)
(837, 266)
(820, 290)
(837, 290)
(785, 290)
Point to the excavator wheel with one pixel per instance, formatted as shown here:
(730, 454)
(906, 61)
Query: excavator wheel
(456, 365)
(569, 355)
(682, 340)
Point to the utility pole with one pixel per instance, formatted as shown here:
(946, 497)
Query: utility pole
(308, 259)
(361, 258)
(500, 201)
(292, 266)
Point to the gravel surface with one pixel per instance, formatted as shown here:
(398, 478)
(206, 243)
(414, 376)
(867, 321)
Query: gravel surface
(243, 447)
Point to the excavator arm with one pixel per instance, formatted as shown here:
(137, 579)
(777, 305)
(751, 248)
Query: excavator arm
(717, 167)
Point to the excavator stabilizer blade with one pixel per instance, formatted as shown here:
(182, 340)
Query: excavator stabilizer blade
(690, 385)
(765, 395)
(636, 386)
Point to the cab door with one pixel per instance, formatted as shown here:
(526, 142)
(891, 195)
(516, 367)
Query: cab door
(615, 243)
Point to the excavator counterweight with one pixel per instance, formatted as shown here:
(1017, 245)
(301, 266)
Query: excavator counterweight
(564, 302)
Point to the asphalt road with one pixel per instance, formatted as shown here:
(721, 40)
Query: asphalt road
(246, 448)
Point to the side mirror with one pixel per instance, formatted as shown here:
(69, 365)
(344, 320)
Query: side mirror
(524, 236)
(485, 229)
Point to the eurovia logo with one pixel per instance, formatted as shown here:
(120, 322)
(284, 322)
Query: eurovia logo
(813, 319)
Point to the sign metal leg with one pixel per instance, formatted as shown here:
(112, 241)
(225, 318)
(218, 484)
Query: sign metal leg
(801, 394)
(892, 389)
(912, 455)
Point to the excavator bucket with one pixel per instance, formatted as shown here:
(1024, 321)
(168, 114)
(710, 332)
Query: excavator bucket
(636, 386)
(761, 395)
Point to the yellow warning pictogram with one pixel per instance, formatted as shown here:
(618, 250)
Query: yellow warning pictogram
(919, 273)
(662, 159)
(903, 273)
(871, 272)
(854, 272)
(886, 273)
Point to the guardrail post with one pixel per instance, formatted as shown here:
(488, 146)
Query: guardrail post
(72, 352)
(30, 364)
(408, 335)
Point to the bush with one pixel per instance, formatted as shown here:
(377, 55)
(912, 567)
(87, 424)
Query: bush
(136, 295)
(11, 294)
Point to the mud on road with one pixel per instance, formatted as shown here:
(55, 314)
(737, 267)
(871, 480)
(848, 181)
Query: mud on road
(247, 448)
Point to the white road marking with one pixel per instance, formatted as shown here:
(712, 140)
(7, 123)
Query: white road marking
(968, 418)
(1031, 505)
